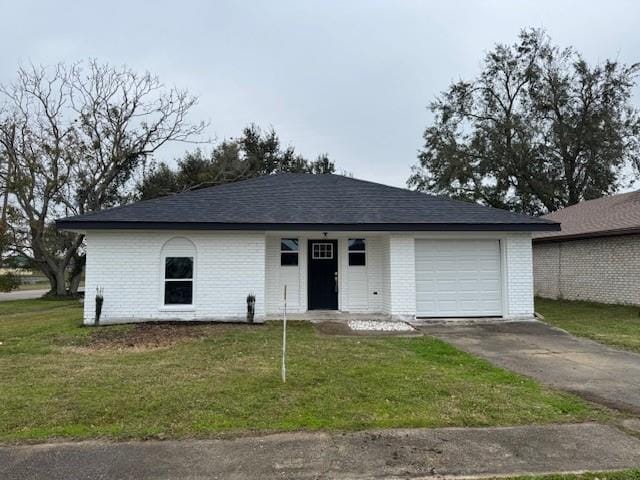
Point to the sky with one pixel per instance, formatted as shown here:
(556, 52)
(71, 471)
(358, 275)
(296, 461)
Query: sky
(349, 78)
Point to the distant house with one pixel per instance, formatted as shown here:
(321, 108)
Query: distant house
(596, 254)
(340, 245)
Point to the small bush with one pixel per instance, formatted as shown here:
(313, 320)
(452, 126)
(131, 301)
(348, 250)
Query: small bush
(9, 282)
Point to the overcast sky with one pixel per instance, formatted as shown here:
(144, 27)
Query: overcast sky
(350, 78)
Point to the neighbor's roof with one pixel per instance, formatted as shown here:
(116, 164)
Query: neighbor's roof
(305, 202)
(606, 216)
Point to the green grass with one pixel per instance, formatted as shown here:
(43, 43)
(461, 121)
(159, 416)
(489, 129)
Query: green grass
(227, 381)
(622, 475)
(617, 325)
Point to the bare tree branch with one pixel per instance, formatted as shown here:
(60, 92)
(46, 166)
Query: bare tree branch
(75, 135)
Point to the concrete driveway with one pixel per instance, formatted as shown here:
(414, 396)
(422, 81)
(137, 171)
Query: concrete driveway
(554, 357)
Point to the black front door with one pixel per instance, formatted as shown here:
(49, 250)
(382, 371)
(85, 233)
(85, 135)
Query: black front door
(323, 275)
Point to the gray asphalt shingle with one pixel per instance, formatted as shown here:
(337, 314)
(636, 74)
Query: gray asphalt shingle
(306, 201)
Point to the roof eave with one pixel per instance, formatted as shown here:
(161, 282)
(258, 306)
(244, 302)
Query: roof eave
(75, 225)
(585, 235)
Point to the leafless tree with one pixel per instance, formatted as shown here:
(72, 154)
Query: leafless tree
(71, 139)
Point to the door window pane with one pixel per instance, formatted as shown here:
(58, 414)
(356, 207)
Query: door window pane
(322, 251)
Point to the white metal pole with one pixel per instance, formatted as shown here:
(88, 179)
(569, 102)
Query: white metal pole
(284, 337)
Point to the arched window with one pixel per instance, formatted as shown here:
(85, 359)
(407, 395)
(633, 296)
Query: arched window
(178, 272)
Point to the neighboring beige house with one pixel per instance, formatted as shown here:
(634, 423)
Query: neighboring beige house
(595, 256)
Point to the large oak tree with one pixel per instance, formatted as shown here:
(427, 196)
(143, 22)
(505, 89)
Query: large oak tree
(539, 129)
(71, 139)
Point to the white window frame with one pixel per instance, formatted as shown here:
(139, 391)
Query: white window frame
(178, 306)
(349, 252)
(290, 252)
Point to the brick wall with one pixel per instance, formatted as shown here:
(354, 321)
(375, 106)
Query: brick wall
(228, 266)
(605, 269)
(385, 276)
(519, 276)
(402, 276)
(546, 270)
(129, 266)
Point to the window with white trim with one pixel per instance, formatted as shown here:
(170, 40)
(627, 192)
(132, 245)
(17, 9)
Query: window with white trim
(289, 252)
(178, 280)
(322, 251)
(357, 252)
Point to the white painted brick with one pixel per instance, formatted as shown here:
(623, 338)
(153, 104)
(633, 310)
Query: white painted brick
(402, 276)
(230, 265)
(518, 276)
(127, 264)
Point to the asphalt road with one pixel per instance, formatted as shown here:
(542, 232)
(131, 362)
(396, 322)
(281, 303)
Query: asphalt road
(21, 295)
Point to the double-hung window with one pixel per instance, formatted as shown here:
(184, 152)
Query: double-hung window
(357, 252)
(289, 251)
(178, 280)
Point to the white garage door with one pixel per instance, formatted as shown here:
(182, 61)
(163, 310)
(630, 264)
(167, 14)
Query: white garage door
(458, 278)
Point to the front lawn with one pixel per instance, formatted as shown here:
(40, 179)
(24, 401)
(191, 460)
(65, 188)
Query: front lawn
(622, 475)
(616, 325)
(63, 380)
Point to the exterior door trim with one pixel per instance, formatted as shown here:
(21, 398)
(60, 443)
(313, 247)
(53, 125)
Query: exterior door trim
(328, 295)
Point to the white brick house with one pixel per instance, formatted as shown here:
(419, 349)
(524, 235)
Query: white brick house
(596, 254)
(338, 244)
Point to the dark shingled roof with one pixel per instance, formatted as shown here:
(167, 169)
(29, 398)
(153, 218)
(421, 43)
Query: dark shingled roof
(606, 216)
(306, 202)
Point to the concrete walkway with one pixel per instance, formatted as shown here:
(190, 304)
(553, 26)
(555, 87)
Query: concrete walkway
(592, 370)
(390, 454)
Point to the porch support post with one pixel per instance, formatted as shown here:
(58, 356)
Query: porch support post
(402, 277)
(261, 290)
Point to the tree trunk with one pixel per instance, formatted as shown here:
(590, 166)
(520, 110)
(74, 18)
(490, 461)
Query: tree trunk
(49, 273)
(57, 285)
(76, 274)
(61, 289)
(55, 268)
(74, 283)
(5, 200)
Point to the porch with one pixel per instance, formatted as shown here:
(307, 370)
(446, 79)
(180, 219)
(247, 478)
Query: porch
(399, 276)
